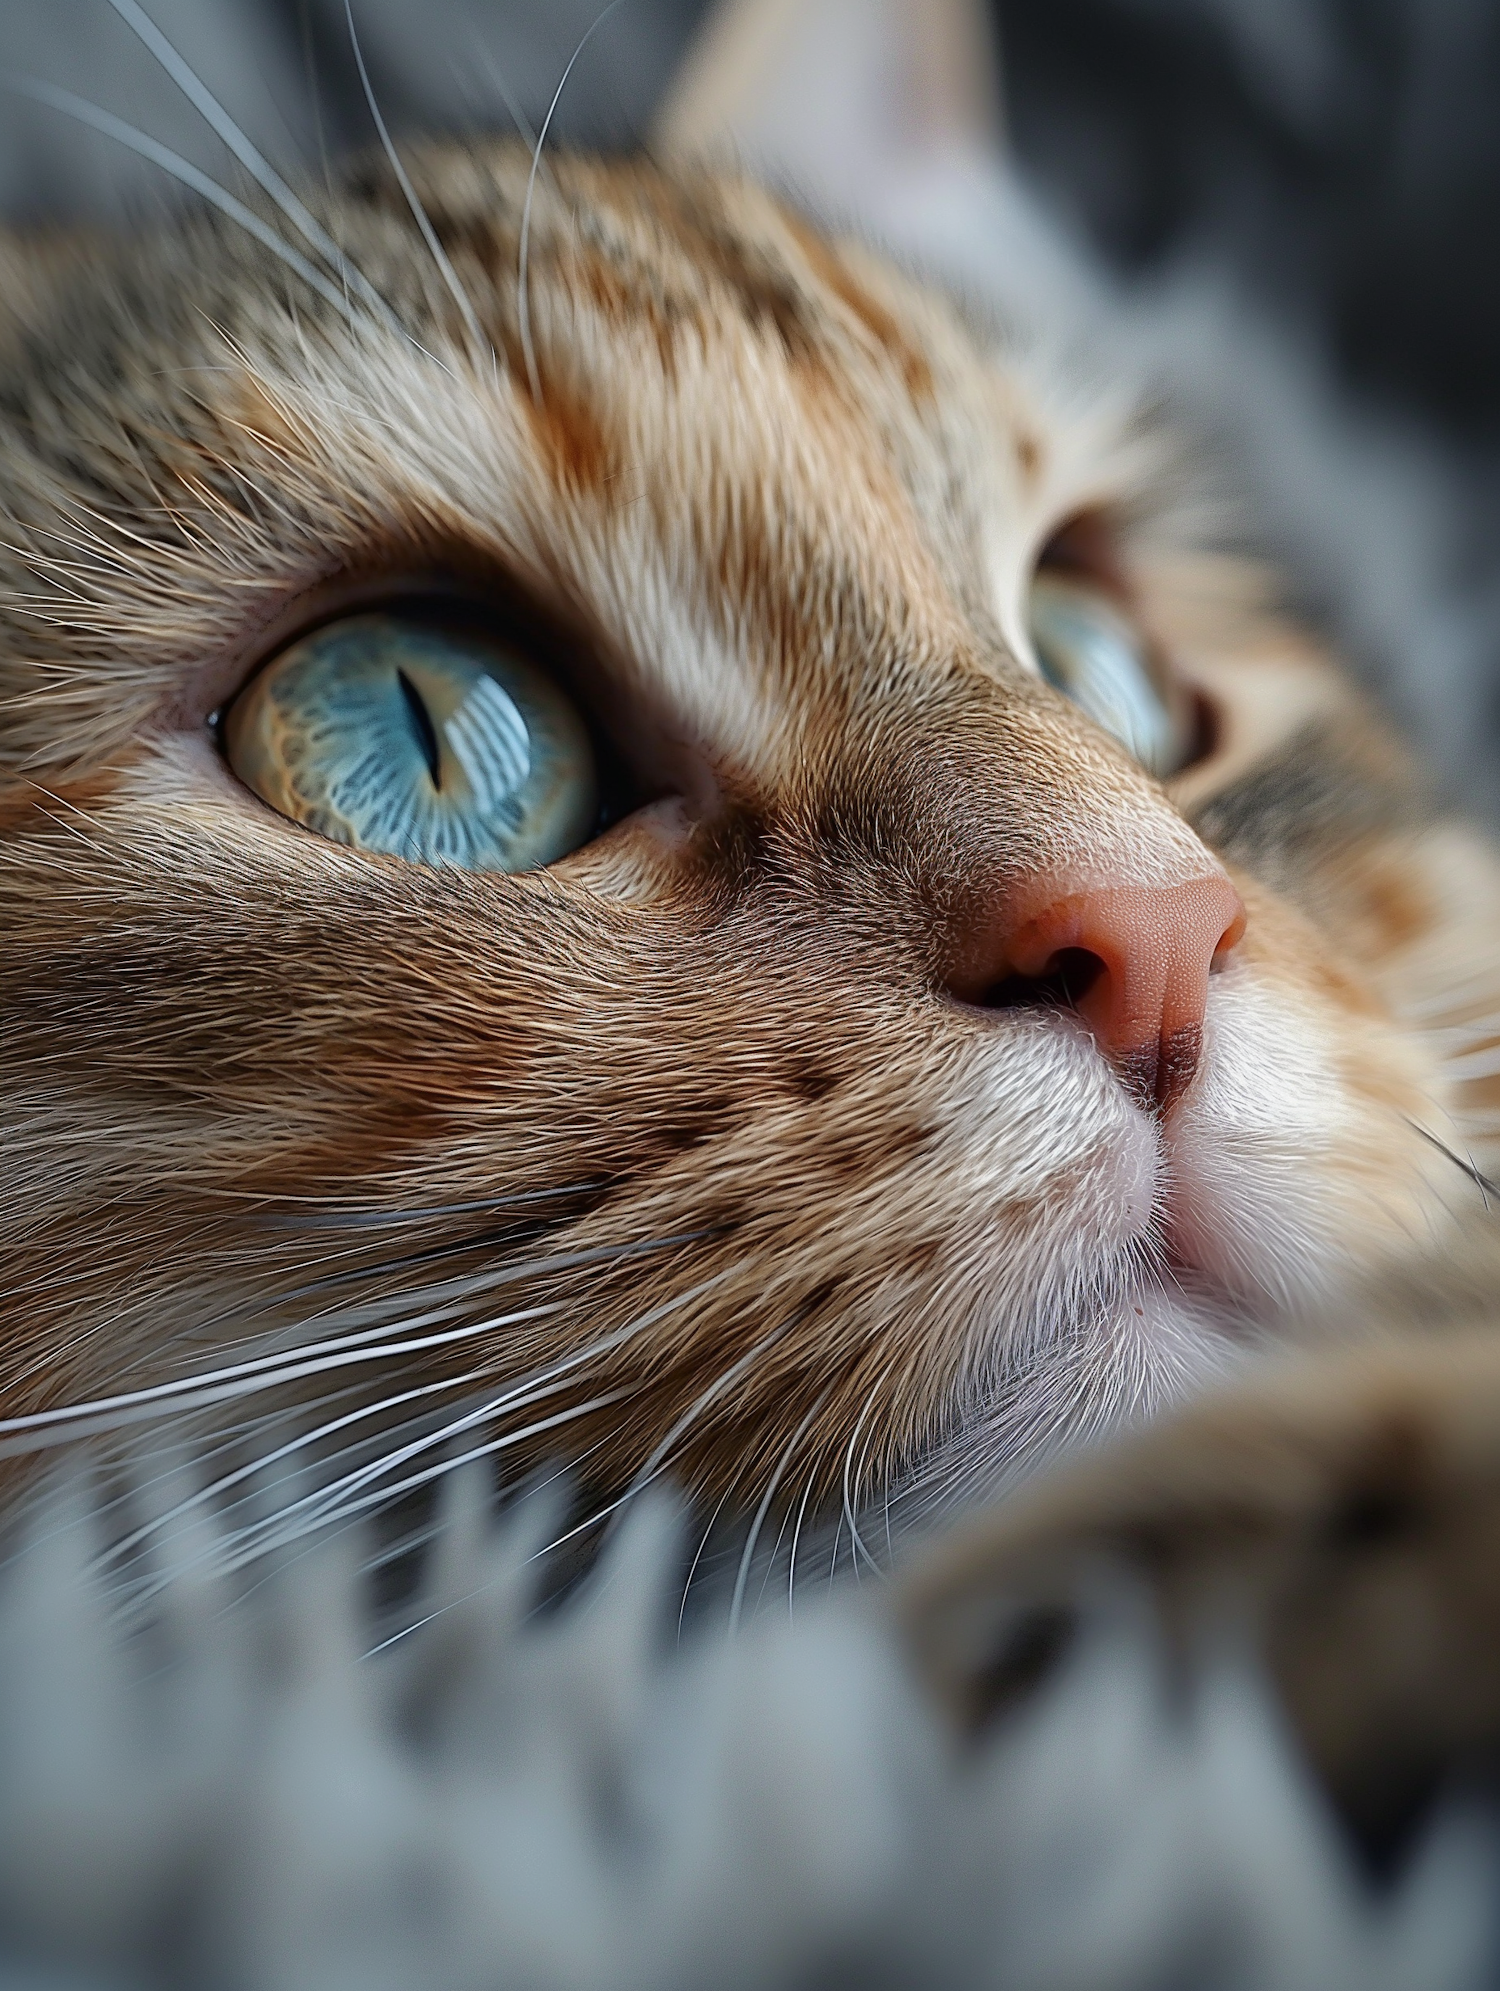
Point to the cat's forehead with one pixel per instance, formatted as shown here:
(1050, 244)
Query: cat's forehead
(603, 290)
(789, 496)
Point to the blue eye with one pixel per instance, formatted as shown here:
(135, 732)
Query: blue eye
(396, 735)
(1090, 651)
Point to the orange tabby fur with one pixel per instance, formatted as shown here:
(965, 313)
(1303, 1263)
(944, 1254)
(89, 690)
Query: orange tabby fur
(794, 1212)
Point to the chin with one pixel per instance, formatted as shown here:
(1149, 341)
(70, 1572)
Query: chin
(1248, 1219)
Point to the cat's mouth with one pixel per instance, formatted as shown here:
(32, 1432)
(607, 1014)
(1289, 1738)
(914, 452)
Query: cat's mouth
(1192, 1134)
(1221, 1211)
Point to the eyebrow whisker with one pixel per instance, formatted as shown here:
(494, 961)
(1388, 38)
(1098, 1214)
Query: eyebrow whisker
(523, 293)
(255, 162)
(105, 122)
(419, 214)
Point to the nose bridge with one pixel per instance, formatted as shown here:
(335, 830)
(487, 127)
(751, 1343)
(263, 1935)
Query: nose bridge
(1040, 801)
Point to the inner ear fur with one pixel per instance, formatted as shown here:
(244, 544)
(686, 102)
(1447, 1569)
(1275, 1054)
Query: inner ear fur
(912, 75)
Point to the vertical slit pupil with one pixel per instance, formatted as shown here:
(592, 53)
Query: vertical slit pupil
(422, 727)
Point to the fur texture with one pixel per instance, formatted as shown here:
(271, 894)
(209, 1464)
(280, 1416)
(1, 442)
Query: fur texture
(727, 1146)
(686, 1138)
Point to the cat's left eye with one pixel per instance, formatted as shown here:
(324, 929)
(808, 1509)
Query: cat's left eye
(394, 733)
(1090, 650)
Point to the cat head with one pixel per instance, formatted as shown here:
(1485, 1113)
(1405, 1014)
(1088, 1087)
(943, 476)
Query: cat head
(891, 1067)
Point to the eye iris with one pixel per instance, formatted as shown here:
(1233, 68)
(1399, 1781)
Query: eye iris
(395, 736)
(489, 740)
(1092, 654)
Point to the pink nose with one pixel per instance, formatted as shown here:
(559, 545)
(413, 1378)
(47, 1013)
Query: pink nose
(1144, 986)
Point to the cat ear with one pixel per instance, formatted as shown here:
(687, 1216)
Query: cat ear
(841, 98)
(886, 114)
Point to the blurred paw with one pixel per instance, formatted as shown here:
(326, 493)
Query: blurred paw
(1341, 1516)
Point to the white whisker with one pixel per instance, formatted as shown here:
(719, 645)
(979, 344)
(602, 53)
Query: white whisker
(249, 1545)
(791, 1571)
(723, 1381)
(189, 175)
(255, 163)
(239, 1379)
(255, 1468)
(530, 1389)
(748, 1557)
(523, 295)
(68, 1422)
(328, 1217)
(337, 1500)
(687, 1585)
(497, 76)
(419, 213)
(656, 1464)
(856, 1541)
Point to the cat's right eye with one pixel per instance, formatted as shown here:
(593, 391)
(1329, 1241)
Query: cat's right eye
(393, 733)
(1090, 650)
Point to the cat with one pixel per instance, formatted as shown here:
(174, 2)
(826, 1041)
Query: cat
(629, 837)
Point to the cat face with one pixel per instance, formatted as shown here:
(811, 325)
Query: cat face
(897, 1080)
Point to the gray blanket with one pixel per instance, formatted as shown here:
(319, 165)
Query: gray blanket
(246, 1784)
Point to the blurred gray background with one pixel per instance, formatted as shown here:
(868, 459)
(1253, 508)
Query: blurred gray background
(284, 69)
(1345, 154)
(1326, 172)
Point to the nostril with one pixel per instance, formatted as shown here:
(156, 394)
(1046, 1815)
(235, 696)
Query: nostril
(1132, 960)
(1063, 984)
